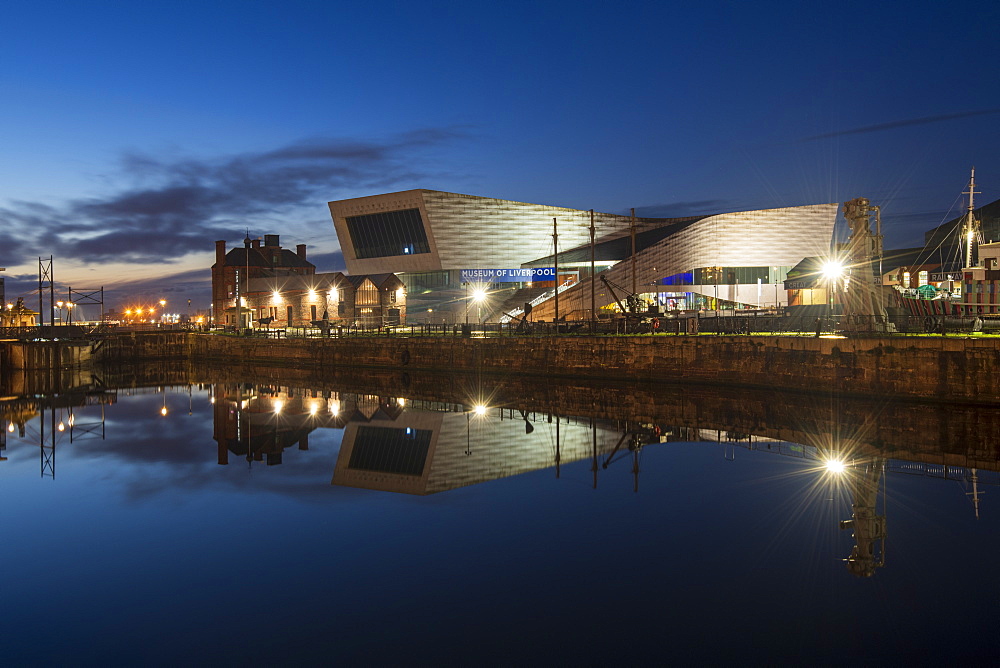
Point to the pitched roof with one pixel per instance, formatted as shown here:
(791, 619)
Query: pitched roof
(377, 279)
(253, 257)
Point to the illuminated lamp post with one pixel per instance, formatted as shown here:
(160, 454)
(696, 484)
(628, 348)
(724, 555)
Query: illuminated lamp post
(478, 296)
(59, 305)
(833, 271)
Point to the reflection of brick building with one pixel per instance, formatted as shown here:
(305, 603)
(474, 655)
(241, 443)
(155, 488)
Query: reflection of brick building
(252, 261)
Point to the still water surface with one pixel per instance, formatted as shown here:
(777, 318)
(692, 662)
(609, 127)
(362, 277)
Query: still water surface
(262, 523)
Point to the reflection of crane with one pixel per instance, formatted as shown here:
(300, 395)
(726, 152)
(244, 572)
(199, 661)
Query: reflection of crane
(868, 525)
(636, 439)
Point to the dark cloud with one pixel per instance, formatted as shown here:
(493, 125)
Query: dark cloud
(682, 209)
(903, 123)
(173, 207)
(328, 262)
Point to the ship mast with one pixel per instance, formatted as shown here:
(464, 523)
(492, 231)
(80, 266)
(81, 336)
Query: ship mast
(971, 229)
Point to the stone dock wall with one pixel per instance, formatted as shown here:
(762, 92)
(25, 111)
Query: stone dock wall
(944, 368)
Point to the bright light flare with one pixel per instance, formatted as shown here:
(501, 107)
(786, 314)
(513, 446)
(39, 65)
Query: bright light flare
(478, 295)
(835, 466)
(163, 411)
(479, 409)
(278, 405)
(833, 269)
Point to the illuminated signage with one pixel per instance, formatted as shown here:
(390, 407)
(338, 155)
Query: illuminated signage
(508, 275)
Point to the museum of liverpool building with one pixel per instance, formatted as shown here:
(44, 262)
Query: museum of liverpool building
(465, 258)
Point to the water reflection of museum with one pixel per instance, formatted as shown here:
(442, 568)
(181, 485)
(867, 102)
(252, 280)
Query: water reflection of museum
(397, 445)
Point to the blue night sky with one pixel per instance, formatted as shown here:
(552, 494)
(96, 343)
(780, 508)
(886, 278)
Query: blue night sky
(136, 134)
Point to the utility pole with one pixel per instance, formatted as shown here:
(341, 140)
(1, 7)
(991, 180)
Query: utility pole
(45, 274)
(971, 225)
(555, 256)
(593, 279)
(635, 285)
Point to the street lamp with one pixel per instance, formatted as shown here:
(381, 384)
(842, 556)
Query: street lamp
(478, 296)
(59, 305)
(833, 270)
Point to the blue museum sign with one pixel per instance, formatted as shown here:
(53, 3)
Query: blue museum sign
(508, 275)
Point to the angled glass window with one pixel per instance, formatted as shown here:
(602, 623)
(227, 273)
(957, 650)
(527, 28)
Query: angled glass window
(387, 234)
(388, 450)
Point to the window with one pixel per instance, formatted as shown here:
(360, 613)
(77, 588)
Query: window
(313, 311)
(387, 234)
(425, 280)
(289, 316)
(367, 294)
(387, 450)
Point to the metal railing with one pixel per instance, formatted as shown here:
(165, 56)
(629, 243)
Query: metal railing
(723, 324)
(711, 325)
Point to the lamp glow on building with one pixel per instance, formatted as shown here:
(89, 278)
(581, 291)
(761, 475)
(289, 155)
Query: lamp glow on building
(479, 295)
(833, 270)
(835, 466)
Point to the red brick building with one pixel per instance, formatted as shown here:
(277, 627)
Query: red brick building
(233, 269)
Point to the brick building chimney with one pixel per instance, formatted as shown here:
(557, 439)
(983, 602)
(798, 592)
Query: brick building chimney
(301, 251)
(220, 253)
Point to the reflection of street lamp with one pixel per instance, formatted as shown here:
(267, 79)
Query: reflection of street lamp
(478, 410)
